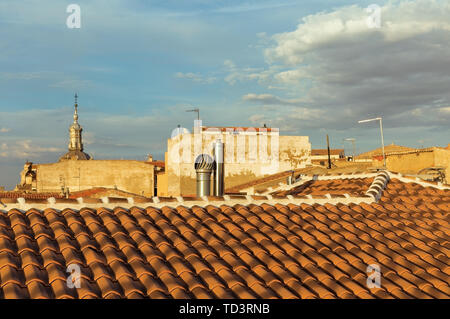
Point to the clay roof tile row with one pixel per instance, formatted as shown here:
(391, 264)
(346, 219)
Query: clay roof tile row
(268, 250)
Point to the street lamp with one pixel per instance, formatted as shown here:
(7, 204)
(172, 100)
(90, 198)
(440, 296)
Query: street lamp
(381, 131)
(351, 139)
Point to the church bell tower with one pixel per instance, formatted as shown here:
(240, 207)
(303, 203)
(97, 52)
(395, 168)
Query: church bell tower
(75, 139)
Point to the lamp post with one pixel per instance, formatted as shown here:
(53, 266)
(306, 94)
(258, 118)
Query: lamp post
(381, 132)
(351, 139)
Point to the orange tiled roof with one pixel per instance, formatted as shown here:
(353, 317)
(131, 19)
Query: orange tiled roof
(267, 250)
(97, 192)
(18, 194)
(354, 187)
(316, 152)
(239, 128)
(391, 148)
(415, 151)
(262, 180)
(159, 163)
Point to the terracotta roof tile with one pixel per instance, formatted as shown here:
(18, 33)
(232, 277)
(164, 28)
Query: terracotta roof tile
(242, 251)
(352, 186)
(61, 291)
(20, 194)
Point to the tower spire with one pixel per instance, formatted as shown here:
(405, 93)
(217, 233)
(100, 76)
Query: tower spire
(75, 143)
(75, 140)
(75, 113)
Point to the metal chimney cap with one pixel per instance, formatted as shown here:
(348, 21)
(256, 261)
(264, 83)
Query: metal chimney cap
(204, 162)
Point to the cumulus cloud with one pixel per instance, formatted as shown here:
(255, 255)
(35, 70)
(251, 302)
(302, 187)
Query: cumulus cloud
(55, 79)
(237, 74)
(72, 84)
(25, 149)
(252, 6)
(4, 130)
(269, 99)
(335, 63)
(400, 20)
(195, 77)
(288, 119)
(20, 75)
(445, 110)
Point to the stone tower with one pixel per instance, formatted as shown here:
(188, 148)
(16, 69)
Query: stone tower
(75, 139)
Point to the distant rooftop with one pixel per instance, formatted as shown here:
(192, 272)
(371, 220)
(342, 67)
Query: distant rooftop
(387, 149)
(316, 152)
(239, 129)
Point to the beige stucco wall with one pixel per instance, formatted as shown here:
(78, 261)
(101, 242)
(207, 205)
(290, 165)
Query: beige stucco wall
(162, 181)
(162, 184)
(323, 157)
(410, 163)
(442, 158)
(258, 156)
(128, 175)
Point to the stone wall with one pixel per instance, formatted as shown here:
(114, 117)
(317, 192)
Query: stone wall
(132, 176)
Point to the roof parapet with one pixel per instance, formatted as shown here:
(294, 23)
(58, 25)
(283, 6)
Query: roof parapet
(373, 194)
(111, 202)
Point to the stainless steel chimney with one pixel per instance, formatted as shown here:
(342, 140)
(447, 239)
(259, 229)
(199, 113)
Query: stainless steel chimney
(218, 181)
(291, 178)
(204, 165)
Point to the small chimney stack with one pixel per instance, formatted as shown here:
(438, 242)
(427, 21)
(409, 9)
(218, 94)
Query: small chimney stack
(204, 165)
(291, 178)
(218, 181)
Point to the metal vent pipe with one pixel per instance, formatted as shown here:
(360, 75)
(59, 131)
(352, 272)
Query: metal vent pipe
(204, 165)
(291, 178)
(218, 180)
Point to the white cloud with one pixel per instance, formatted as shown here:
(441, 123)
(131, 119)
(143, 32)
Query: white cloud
(269, 99)
(335, 63)
(417, 112)
(4, 130)
(399, 20)
(72, 84)
(20, 75)
(195, 77)
(25, 149)
(237, 74)
(445, 110)
(53, 78)
(288, 119)
(253, 6)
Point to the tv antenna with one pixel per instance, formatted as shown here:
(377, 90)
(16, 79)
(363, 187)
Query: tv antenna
(195, 110)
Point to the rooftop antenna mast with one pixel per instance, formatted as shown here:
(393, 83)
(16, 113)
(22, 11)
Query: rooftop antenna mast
(351, 139)
(195, 110)
(328, 152)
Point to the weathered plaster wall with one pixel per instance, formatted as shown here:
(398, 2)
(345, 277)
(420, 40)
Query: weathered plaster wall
(410, 163)
(162, 184)
(257, 156)
(131, 176)
(442, 158)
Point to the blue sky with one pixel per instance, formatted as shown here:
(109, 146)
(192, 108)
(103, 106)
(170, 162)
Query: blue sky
(308, 67)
